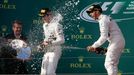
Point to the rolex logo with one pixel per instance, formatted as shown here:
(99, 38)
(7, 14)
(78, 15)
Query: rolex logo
(6, 5)
(81, 29)
(80, 64)
(5, 1)
(37, 21)
(80, 58)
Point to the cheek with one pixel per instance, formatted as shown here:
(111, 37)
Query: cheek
(49, 17)
(43, 18)
(20, 29)
(94, 14)
(14, 29)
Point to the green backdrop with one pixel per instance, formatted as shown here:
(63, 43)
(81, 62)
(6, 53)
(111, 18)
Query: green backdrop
(80, 31)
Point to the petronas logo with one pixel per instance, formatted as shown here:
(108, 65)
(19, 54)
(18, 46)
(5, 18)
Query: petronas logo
(80, 58)
(81, 29)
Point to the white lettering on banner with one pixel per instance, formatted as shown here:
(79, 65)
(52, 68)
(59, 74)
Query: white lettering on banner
(80, 65)
(81, 37)
(6, 6)
(105, 5)
(116, 7)
(112, 8)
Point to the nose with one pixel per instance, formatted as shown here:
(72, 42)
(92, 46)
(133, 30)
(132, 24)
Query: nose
(19, 28)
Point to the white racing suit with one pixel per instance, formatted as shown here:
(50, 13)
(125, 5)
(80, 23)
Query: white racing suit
(54, 33)
(110, 31)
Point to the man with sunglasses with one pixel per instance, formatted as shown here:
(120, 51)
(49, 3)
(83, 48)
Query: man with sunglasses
(54, 37)
(110, 31)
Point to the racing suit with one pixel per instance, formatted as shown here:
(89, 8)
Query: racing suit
(110, 31)
(54, 33)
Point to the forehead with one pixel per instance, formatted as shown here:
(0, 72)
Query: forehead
(17, 25)
(48, 13)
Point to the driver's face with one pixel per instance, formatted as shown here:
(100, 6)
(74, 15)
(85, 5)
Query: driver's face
(47, 18)
(94, 14)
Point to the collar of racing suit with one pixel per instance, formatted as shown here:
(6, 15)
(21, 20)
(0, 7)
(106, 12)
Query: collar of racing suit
(101, 15)
(46, 24)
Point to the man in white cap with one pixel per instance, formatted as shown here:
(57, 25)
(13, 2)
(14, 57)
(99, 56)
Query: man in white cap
(110, 31)
(54, 37)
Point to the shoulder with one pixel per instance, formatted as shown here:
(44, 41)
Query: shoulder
(23, 37)
(105, 18)
(10, 36)
(56, 25)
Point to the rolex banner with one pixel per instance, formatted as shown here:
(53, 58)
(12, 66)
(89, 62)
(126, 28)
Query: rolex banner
(80, 31)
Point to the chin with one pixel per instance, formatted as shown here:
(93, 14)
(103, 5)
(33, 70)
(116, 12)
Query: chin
(94, 18)
(18, 33)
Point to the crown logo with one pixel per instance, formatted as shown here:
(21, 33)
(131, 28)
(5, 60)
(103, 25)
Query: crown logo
(80, 58)
(81, 29)
(4, 28)
(5, 1)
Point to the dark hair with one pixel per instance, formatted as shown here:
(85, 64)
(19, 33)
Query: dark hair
(17, 21)
(98, 7)
(47, 10)
(94, 7)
